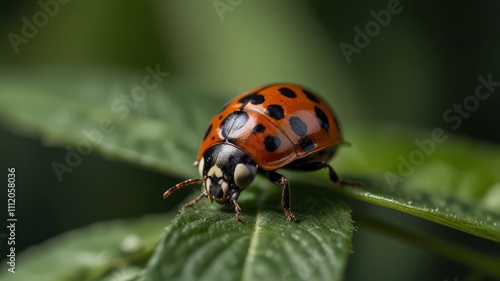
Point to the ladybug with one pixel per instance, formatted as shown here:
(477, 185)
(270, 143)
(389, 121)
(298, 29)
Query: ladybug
(267, 128)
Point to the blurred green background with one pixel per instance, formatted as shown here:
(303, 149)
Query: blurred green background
(425, 60)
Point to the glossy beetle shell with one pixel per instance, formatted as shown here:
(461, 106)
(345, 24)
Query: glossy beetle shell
(275, 125)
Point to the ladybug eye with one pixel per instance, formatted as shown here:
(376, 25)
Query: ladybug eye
(201, 165)
(244, 175)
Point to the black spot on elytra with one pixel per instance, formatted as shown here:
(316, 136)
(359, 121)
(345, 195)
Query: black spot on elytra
(311, 96)
(298, 126)
(306, 144)
(207, 132)
(322, 119)
(253, 98)
(275, 111)
(272, 143)
(259, 128)
(287, 92)
(233, 122)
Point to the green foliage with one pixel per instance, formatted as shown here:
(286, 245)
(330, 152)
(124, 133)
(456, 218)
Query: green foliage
(208, 243)
(63, 106)
(102, 251)
(448, 211)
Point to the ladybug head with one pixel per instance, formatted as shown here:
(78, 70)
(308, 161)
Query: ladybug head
(226, 171)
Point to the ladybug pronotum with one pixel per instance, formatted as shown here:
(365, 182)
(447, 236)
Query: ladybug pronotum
(267, 128)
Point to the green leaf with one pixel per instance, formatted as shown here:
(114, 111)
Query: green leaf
(454, 166)
(455, 184)
(109, 250)
(161, 129)
(209, 244)
(438, 208)
(486, 264)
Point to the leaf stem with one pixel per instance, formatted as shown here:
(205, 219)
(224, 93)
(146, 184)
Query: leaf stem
(466, 256)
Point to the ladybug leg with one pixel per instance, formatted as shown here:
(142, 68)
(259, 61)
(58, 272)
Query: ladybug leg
(191, 203)
(279, 179)
(335, 178)
(313, 166)
(237, 209)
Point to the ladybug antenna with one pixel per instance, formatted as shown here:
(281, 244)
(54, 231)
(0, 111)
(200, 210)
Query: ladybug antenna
(180, 185)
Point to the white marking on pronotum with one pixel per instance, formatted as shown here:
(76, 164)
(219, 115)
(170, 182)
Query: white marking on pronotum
(201, 165)
(224, 186)
(215, 170)
(208, 182)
